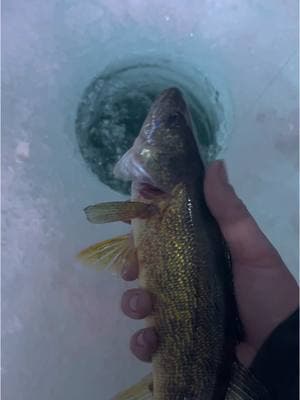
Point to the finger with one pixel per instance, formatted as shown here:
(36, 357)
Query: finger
(266, 291)
(247, 243)
(136, 303)
(130, 270)
(245, 353)
(144, 343)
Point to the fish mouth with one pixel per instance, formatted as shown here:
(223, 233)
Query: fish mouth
(131, 169)
(148, 191)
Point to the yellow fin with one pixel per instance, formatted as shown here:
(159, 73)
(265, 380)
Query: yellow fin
(141, 391)
(118, 211)
(112, 253)
(245, 386)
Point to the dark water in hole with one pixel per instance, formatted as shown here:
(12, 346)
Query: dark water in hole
(115, 104)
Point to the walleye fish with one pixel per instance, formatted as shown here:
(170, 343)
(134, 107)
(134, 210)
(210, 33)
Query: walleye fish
(183, 263)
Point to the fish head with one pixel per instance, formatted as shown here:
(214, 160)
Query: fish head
(165, 151)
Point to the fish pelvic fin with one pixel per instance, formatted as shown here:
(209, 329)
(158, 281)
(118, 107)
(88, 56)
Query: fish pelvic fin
(113, 253)
(244, 385)
(118, 211)
(140, 391)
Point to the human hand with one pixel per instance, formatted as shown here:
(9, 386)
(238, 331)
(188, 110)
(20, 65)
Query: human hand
(266, 292)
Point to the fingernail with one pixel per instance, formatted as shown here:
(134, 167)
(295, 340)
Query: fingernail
(140, 340)
(133, 302)
(222, 171)
(130, 270)
(147, 337)
(150, 337)
(126, 272)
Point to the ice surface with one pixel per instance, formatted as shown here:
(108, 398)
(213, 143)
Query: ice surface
(63, 334)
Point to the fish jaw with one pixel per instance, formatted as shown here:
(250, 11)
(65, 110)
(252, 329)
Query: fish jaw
(165, 151)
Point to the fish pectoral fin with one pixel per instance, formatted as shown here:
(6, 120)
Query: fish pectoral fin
(112, 253)
(244, 385)
(118, 211)
(140, 391)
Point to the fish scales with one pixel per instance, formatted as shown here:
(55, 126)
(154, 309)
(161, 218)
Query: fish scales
(180, 267)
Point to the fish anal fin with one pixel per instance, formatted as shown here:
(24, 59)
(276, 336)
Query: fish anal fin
(140, 391)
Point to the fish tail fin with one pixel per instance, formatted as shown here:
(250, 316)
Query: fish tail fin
(244, 385)
(140, 391)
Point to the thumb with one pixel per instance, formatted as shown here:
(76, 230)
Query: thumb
(266, 291)
(247, 243)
